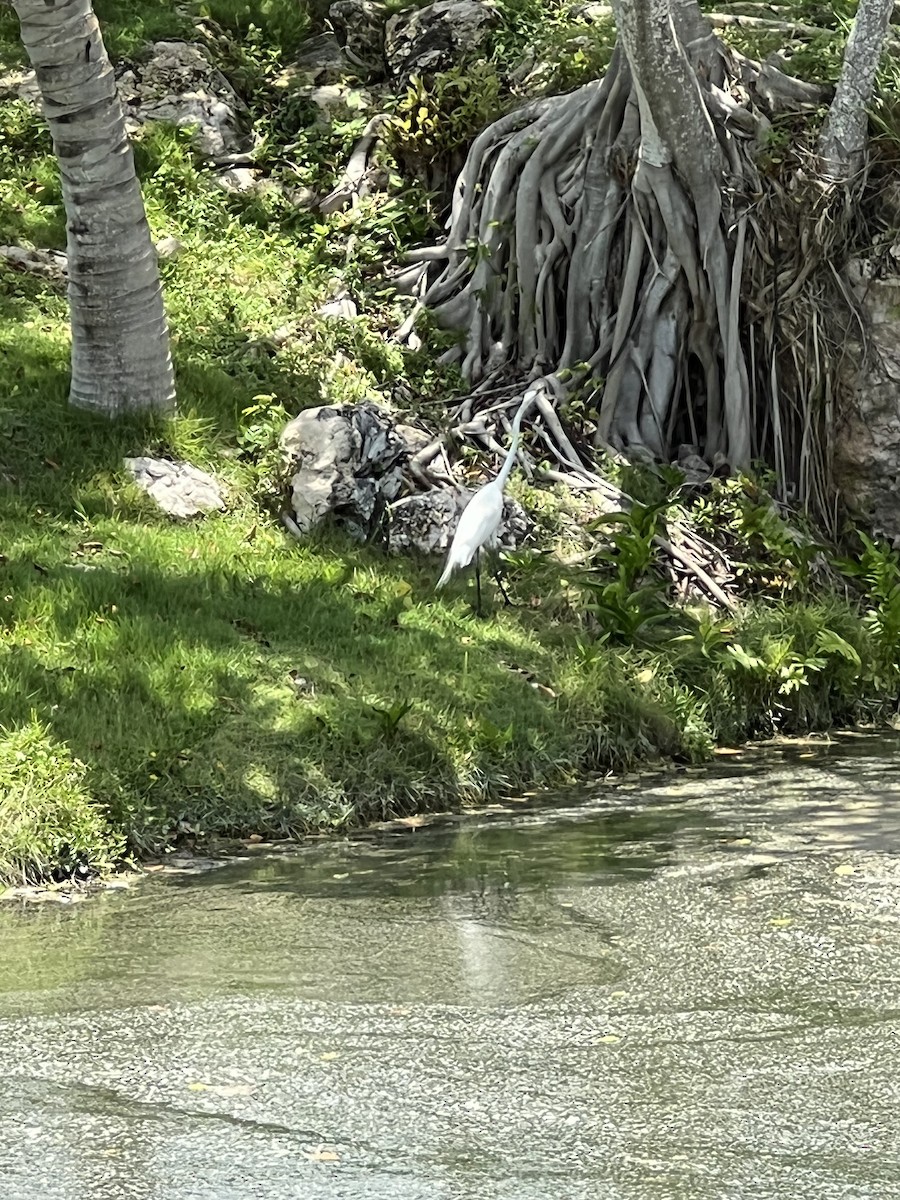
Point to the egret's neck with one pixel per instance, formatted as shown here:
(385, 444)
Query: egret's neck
(514, 443)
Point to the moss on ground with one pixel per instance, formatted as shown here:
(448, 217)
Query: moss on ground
(162, 679)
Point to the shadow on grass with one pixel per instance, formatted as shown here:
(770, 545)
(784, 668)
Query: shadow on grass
(216, 673)
(238, 700)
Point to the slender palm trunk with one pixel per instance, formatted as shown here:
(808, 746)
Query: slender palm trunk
(120, 343)
(845, 132)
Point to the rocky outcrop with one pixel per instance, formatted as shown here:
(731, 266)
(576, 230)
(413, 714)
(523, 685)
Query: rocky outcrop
(178, 488)
(52, 264)
(347, 463)
(423, 41)
(319, 60)
(867, 449)
(425, 523)
(178, 83)
(359, 28)
(350, 466)
(417, 41)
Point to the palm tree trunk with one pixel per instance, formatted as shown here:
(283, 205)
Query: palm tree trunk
(120, 344)
(844, 137)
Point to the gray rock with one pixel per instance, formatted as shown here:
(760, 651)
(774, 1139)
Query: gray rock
(342, 307)
(242, 180)
(591, 13)
(21, 84)
(303, 198)
(179, 84)
(348, 463)
(169, 247)
(319, 59)
(178, 488)
(867, 438)
(434, 38)
(416, 439)
(52, 264)
(359, 29)
(695, 468)
(425, 523)
(338, 101)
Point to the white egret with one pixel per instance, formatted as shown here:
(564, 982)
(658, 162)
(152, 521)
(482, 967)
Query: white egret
(480, 519)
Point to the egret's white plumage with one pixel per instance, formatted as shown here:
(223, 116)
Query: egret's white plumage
(477, 527)
(480, 520)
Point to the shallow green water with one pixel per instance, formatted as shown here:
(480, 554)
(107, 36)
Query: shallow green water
(690, 989)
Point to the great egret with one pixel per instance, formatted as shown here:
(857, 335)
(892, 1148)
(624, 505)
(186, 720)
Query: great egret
(480, 519)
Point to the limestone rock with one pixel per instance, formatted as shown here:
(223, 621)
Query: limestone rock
(416, 439)
(342, 307)
(318, 60)
(867, 441)
(422, 41)
(359, 29)
(19, 83)
(338, 101)
(593, 14)
(52, 264)
(178, 83)
(178, 488)
(241, 180)
(169, 247)
(348, 464)
(425, 523)
(695, 468)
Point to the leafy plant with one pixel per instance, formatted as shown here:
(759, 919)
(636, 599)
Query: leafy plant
(623, 595)
(389, 718)
(278, 26)
(262, 423)
(48, 820)
(568, 56)
(877, 569)
(492, 737)
(800, 664)
(165, 153)
(771, 554)
(433, 123)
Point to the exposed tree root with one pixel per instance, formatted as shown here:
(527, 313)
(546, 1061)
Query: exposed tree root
(653, 286)
(355, 180)
(705, 567)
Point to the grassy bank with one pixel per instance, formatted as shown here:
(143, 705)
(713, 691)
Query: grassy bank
(162, 680)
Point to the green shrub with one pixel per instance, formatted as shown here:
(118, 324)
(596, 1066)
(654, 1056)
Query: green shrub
(49, 821)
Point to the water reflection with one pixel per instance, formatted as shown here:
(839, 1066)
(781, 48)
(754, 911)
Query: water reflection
(675, 988)
(580, 845)
(488, 895)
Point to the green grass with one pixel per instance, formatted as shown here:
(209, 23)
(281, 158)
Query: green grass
(163, 679)
(164, 656)
(50, 823)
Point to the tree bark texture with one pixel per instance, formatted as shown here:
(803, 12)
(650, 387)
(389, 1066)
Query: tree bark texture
(121, 360)
(844, 137)
(620, 244)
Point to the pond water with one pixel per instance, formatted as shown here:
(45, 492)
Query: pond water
(686, 988)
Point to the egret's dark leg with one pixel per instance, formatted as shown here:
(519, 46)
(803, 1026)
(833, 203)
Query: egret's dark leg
(503, 592)
(478, 582)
